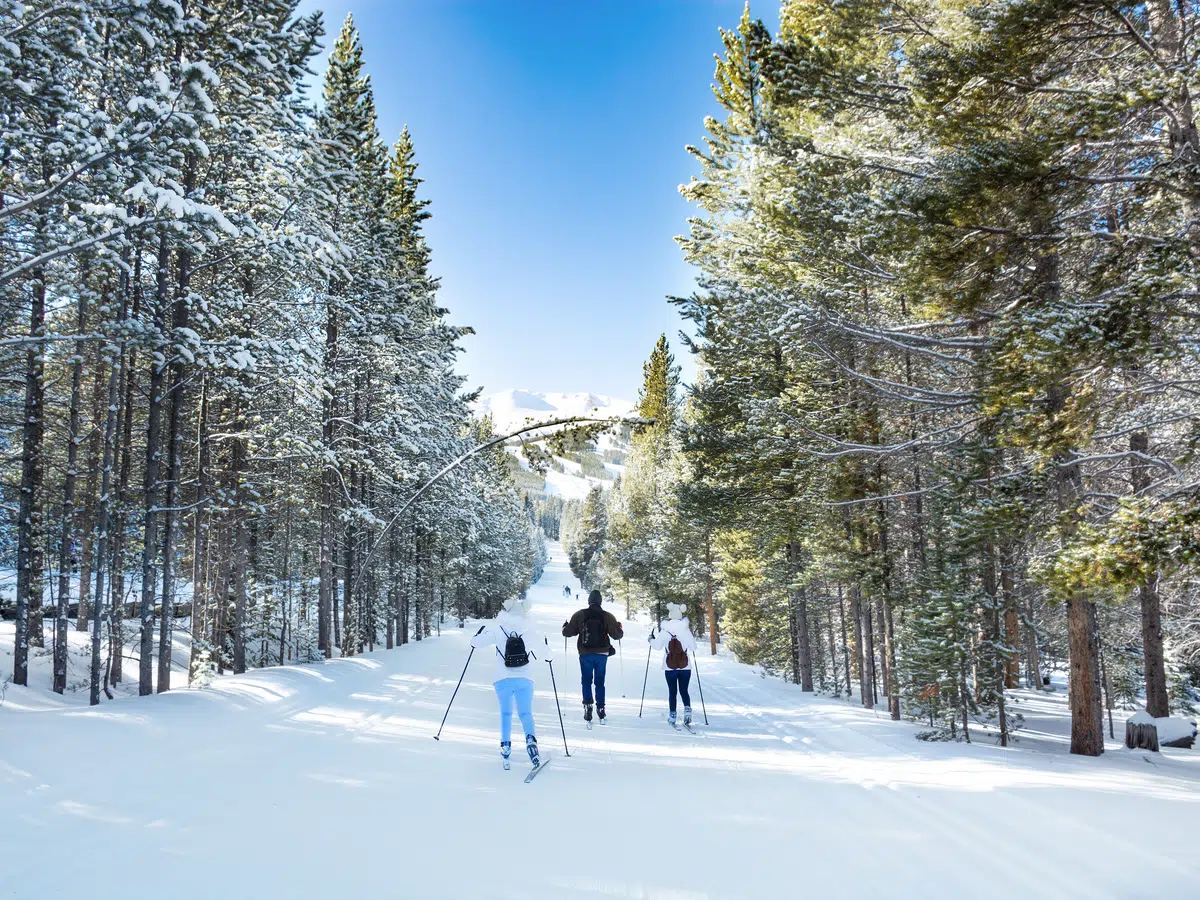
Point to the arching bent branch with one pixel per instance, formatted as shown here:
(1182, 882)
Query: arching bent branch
(487, 445)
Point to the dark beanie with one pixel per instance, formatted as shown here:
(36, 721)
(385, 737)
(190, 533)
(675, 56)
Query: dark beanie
(594, 598)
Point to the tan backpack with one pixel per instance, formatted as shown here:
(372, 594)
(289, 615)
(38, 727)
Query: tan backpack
(677, 657)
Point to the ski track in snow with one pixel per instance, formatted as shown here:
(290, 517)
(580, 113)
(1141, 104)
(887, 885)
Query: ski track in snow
(321, 781)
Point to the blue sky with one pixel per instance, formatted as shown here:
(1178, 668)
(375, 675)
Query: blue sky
(551, 138)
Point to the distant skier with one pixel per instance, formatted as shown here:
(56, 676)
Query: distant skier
(676, 639)
(517, 644)
(594, 627)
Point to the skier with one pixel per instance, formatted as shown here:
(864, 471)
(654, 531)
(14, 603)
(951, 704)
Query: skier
(676, 638)
(517, 644)
(593, 626)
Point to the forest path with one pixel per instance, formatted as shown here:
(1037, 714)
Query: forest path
(322, 781)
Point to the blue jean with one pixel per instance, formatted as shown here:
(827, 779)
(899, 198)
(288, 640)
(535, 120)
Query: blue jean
(521, 690)
(592, 666)
(677, 680)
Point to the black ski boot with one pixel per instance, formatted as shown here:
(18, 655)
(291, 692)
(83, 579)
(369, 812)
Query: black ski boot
(600, 713)
(587, 712)
(505, 753)
(531, 746)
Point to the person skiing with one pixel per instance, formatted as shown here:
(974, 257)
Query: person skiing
(593, 627)
(517, 644)
(676, 639)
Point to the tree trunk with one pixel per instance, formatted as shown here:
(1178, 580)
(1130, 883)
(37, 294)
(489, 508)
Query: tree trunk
(1087, 723)
(238, 458)
(832, 650)
(393, 592)
(116, 375)
(29, 522)
(348, 642)
(708, 593)
(845, 641)
(174, 447)
(123, 504)
(886, 628)
(132, 298)
(793, 637)
(860, 668)
(1157, 700)
(870, 694)
(328, 408)
(88, 528)
(150, 479)
(1012, 621)
(999, 656)
(221, 589)
(800, 607)
(200, 538)
(417, 584)
(67, 539)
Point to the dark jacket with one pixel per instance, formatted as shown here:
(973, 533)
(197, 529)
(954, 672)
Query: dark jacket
(574, 628)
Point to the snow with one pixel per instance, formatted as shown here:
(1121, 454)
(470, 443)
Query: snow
(1174, 728)
(783, 794)
(1141, 717)
(568, 485)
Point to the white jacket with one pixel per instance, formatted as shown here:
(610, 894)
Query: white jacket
(681, 629)
(495, 635)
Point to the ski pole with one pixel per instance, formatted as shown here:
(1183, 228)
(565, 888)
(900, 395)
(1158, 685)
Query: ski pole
(621, 657)
(645, 678)
(438, 736)
(560, 719)
(700, 687)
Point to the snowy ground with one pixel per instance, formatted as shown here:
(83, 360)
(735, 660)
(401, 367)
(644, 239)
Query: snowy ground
(323, 781)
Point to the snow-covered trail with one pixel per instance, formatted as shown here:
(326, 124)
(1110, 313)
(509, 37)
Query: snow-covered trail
(321, 781)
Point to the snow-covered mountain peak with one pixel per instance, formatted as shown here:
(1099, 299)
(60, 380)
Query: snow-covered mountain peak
(512, 408)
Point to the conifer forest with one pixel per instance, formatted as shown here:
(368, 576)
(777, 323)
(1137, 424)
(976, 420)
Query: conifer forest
(920, 469)
(943, 435)
(225, 366)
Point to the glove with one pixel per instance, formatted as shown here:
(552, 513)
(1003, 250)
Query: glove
(650, 639)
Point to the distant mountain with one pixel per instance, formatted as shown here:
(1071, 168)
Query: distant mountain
(511, 409)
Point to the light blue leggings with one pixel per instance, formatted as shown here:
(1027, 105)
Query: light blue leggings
(521, 690)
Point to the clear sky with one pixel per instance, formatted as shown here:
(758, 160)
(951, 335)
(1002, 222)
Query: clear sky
(551, 137)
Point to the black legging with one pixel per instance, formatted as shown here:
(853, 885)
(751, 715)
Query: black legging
(677, 680)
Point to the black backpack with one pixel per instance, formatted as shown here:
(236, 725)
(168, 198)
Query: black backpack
(515, 654)
(594, 633)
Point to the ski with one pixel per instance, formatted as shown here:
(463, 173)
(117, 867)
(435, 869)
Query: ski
(690, 728)
(534, 771)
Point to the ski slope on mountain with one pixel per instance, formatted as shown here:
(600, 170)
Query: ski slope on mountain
(512, 409)
(324, 781)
